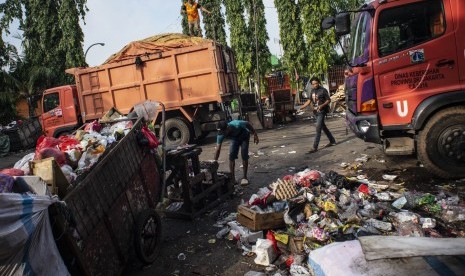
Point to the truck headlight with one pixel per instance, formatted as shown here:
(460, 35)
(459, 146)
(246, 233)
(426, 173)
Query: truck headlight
(364, 126)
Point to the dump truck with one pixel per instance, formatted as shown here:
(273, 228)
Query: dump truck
(195, 78)
(405, 88)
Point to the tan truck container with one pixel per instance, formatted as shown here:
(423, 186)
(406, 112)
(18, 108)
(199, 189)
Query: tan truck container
(195, 83)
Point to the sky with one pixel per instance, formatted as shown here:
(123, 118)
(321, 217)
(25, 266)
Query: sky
(118, 22)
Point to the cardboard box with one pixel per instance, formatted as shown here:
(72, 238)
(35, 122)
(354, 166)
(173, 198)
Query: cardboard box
(256, 221)
(296, 245)
(51, 173)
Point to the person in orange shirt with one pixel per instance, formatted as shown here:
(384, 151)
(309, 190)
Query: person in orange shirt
(191, 8)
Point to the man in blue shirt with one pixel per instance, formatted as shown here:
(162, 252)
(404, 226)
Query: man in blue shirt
(239, 133)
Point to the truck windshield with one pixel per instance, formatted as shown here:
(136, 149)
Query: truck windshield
(360, 38)
(406, 26)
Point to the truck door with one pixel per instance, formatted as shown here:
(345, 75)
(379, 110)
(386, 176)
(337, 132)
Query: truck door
(414, 57)
(52, 116)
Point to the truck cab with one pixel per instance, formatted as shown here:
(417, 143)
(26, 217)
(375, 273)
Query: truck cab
(60, 110)
(405, 87)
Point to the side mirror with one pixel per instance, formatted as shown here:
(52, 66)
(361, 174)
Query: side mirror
(327, 23)
(342, 23)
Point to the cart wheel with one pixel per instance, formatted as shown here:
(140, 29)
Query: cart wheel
(148, 236)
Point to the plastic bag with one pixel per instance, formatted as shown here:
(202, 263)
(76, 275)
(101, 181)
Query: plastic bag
(23, 164)
(68, 143)
(152, 139)
(93, 126)
(6, 183)
(45, 142)
(59, 156)
(28, 246)
(12, 172)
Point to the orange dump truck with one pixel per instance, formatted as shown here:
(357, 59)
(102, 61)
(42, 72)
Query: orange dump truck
(195, 78)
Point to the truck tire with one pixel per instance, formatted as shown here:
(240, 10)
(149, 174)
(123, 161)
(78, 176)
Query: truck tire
(441, 144)
(147, 236)
(177, 132)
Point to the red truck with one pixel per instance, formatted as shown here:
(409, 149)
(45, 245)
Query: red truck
(195, 82)
(405, 87)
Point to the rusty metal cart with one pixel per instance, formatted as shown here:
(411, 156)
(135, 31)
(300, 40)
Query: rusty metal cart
(110, 214)
(283, 105)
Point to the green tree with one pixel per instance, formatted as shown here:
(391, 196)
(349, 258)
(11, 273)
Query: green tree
(319, 43)
(214, 22)
(292, 37)
(239, 39)
(322, 43)
(9, 10)
(52, 42)
(257, 27)
(72, 38)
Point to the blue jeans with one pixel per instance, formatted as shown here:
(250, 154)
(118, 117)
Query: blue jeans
(320, 125)
(243, 142)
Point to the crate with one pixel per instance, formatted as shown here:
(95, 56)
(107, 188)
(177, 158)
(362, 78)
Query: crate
(256, 221)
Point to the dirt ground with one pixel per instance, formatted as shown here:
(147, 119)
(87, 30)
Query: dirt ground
(281, 151)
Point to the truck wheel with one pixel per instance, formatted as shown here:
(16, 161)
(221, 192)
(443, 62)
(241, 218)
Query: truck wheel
(147, 236)
(441, 144)
(177, 132)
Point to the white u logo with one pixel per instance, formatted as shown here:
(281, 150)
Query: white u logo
(402, 111)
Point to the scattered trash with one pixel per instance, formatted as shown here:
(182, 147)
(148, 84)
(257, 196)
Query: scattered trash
(364, 158)
(389, 177)
(292, 152)
(319, 208)
(182, 257)
(265, 252)
(212, 241)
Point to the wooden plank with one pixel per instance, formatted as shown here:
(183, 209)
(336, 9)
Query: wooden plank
(380, 247)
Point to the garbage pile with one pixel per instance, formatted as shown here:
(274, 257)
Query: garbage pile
(11, 125)
(76, 154)
(316, 209)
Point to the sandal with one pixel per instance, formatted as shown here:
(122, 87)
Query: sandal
(330, 144)
(312, 151)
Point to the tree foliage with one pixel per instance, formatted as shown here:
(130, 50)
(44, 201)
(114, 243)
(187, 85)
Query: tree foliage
(257, 27)
(239, 39)
(292, 37)
(319, 43)
(52, 37)
(214, 22)
(72, 35)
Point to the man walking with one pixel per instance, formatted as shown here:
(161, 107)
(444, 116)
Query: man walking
(319, 98)
(193, 19)
(239, 133)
